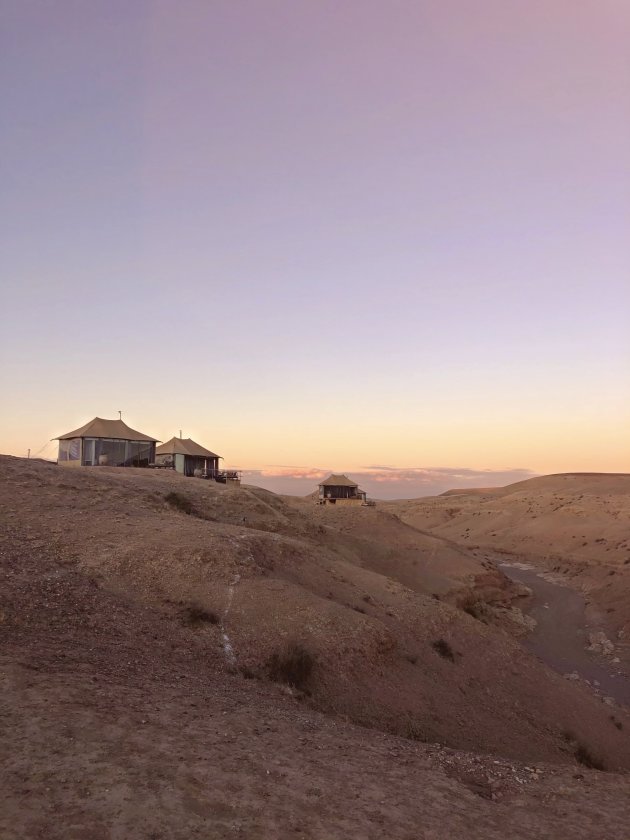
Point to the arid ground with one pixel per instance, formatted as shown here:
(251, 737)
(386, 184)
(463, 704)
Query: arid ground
(182, 659)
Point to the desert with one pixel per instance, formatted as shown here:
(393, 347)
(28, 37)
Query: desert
(183, 659)
(315, 471)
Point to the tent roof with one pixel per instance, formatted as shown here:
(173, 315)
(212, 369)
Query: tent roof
(337, 481)
(100, 428)
(184, 446)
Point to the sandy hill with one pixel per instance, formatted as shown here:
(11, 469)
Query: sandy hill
(609, 483)
(473, 491)
(147, 621)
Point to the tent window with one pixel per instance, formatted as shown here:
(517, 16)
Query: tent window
(70, 450)
(110, 453)
(138, 453)
(88, 452)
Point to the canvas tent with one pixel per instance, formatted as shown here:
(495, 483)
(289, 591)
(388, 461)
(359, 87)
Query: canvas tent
(109, 443)
(187, 457)
(340, 488)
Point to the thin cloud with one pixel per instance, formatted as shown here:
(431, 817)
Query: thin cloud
(428, 475)
(292, 472)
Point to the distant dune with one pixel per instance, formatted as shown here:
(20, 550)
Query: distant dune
(577, 482)
(473, 491)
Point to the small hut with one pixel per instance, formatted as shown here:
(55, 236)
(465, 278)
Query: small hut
(340, 489)
(187, 457)
(108, 443)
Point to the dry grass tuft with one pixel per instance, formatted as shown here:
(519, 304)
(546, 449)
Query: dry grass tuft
(194, 615)
(442, 647)
(586, 757)
(294, 666)
(179, 502)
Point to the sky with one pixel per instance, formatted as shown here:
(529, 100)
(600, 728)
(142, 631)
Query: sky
(382, 238)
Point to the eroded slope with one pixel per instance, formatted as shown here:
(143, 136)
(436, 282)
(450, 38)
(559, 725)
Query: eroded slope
(387, 655)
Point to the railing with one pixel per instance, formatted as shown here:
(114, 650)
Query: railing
(222, 476)
(360, 497)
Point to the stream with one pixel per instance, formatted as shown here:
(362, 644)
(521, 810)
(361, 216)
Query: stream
(560, 637)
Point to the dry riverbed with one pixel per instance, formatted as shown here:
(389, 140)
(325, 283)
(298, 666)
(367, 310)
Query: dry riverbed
(563, 638)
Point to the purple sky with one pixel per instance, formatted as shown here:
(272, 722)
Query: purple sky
(321, 233)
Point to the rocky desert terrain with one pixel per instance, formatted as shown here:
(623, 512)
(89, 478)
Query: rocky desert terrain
(182, 659)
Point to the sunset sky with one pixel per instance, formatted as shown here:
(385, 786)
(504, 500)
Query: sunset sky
(384, 238)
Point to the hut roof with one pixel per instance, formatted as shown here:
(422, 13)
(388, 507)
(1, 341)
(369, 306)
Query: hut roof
(100, 428)
(337, 481)
(184, 446)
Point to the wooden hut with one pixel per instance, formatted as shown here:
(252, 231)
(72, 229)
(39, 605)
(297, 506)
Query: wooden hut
(339, 489)
(187, 457)
(108, 443)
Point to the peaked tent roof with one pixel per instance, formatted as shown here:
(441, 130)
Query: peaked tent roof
(100, 428)
(184, 446)
(337, 481)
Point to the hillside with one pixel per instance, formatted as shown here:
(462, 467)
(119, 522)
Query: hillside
(142, 644)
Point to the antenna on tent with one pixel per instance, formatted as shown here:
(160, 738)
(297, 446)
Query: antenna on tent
(120, 415)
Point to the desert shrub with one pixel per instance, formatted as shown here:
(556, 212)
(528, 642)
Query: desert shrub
(194, 615)
(586, 757)
(413, 730)
(293, 665)
(477, 609)
(474, 607)
(442, 647)
(179, 502)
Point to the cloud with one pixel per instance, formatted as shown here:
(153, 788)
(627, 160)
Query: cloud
(430, 475)
(295, 472)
